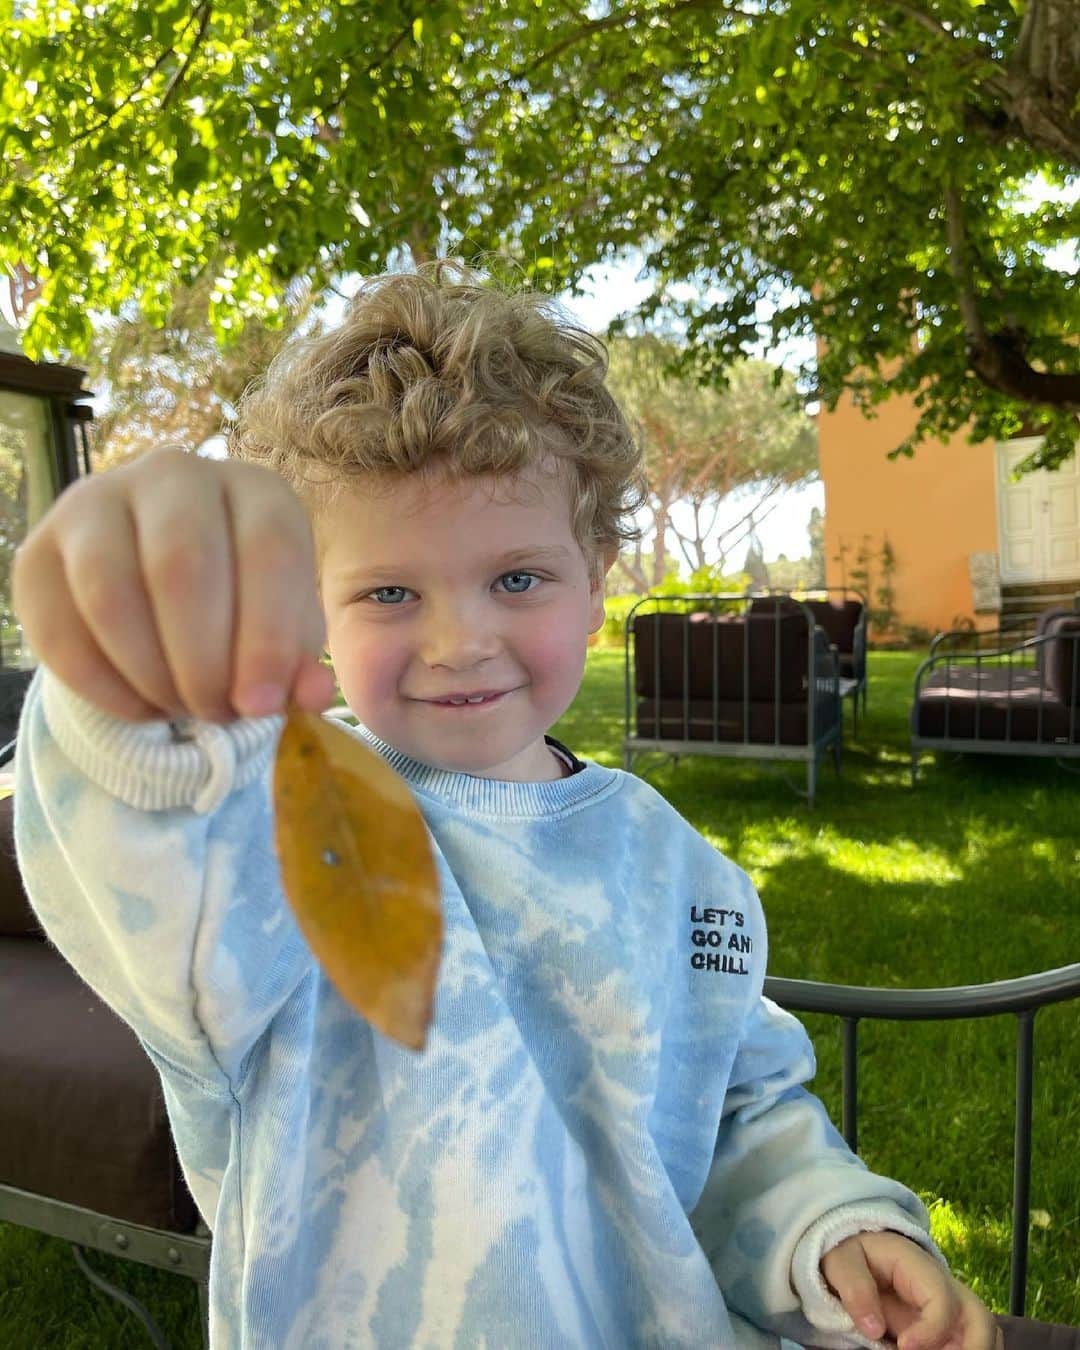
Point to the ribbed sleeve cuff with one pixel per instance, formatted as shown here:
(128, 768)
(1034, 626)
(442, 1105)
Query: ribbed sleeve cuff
(822, 1309)
(157, 766)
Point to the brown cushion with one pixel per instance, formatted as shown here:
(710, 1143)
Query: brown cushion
(700, 654)
(17, 919)
(13, 687)
(839, 620)
(1060, 657)
(1022, 1333)
(1045, 619)
(82, 1115)
(769, 604)
(733, 722)
(969, 702)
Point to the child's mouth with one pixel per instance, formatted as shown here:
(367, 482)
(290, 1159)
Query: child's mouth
(468, 703)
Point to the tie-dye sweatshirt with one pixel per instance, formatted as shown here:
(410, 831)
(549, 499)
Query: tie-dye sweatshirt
(605, 1143)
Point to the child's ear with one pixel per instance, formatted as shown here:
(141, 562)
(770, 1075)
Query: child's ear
(601, 566)
(605, 562)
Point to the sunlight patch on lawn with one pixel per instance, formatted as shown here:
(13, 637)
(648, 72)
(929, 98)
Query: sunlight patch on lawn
(770, 845)
(766, 846)
(968, 1241)
(898, 860)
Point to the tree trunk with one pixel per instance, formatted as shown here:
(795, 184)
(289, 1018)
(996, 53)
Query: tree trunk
(1040, 85)
(660, 523)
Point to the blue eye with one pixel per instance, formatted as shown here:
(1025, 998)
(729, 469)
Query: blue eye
(519, 576)
(388, 590)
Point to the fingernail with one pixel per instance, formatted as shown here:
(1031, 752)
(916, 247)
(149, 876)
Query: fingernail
(261, 700)
(872, 1325)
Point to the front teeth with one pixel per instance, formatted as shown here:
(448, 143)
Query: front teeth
(457, 702)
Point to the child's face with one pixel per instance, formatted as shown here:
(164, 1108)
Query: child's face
(458, 589)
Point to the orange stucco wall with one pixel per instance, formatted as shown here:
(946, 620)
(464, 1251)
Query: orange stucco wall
(936, 509)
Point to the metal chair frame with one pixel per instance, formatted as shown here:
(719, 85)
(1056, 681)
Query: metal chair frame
(1022, 997)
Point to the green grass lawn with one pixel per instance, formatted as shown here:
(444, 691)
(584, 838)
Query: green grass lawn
(970, 877)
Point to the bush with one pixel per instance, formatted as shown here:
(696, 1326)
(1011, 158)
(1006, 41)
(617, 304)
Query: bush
(705, 581)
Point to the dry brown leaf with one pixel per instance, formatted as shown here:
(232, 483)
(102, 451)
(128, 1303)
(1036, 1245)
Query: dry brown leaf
(358, 871)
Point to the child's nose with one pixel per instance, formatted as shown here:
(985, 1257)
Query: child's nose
(458, 637)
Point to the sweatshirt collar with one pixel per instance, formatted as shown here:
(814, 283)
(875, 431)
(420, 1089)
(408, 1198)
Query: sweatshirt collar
(494, 796)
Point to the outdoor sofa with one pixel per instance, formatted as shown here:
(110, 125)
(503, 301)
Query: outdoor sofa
(842, 612)
(988, 693)
(713, 675)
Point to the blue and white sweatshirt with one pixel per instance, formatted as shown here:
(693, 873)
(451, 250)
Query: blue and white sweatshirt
(605, 1143)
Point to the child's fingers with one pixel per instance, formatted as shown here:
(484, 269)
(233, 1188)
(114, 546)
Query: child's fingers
(185, 552)
(279, 620)
(898, 1314)
(937, 1320)
(853, 1283)
(99, 551)
(978, 1331)
(58, 636)
(313, 689)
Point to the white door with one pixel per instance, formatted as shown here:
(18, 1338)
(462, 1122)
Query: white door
(1038, 518)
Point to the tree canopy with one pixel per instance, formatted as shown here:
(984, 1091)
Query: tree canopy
(170, 381)
(847, 169)
(857, 171)
(702, 446)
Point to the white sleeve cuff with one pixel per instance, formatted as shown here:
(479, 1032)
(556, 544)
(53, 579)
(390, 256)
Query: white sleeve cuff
(157, 766)
(822, 1309)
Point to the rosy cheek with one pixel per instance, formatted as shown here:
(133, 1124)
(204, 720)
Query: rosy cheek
(365, 668)
(556, 651)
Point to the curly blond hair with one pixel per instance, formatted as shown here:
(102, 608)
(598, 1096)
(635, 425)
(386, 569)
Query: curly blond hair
(441, 372)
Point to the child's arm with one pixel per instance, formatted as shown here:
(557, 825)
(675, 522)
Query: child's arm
(150, 864)
(173, 587)
(780, 1167)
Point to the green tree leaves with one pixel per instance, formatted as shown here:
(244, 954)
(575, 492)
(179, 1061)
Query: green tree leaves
(850, 170)
(164, 142)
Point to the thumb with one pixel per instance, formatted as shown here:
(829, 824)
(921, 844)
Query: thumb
(313, 689)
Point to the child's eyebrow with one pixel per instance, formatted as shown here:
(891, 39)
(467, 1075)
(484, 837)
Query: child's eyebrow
(516, 555)
(542, 552)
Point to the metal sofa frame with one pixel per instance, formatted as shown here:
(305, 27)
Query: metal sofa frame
(183, 1253)
(1022, 997)
(963, 646)
(823, 687)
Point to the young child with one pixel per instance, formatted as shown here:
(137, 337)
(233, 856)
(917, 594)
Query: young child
(602, 1145)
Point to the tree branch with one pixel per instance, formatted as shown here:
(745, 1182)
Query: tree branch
(130, 97)
(587, 30)
(998, 359)
(204, 10)
(960, 268)
(327, 132)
